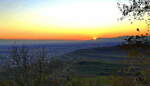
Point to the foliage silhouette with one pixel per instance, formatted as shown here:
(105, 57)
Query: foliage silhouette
(138, 46)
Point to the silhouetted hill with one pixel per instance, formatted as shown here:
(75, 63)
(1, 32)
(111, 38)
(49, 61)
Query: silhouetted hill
(107, 54)
(58, 47)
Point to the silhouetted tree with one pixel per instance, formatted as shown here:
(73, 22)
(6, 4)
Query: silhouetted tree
(136, 10)
(138, 46)
(20, 66)
(28, 69)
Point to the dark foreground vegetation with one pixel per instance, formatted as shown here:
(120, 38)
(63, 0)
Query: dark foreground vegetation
(124, 65)
(35, 68)
(83, 68)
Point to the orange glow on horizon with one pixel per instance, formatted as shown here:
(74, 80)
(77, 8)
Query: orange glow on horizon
(31, 36)
(66, 21)
(63, 36)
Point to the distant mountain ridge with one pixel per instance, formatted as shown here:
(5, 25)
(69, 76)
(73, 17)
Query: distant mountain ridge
(115, 39)
(108, 54)
(7, 41)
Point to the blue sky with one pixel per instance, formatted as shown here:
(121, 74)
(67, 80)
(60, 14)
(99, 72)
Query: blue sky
(63, 19)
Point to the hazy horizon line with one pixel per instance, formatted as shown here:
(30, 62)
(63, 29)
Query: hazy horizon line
(66, 39)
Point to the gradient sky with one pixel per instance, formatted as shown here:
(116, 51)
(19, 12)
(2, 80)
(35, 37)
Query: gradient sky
(62, 19)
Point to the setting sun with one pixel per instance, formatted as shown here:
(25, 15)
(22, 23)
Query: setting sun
(62, 20)
(94, 38)
(74, 42)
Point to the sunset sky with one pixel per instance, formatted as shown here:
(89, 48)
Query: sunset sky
(63, 19)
